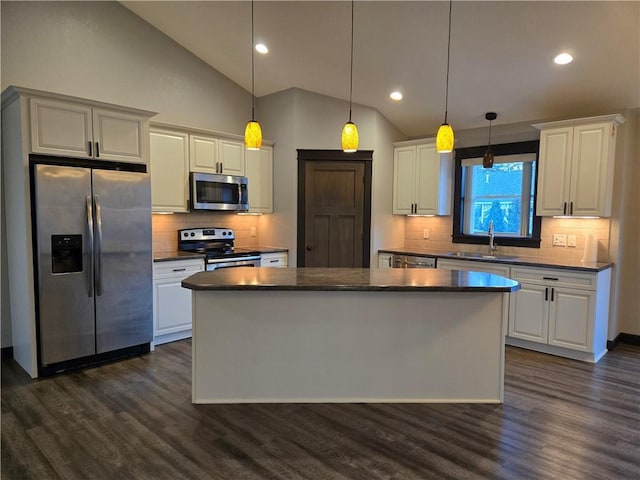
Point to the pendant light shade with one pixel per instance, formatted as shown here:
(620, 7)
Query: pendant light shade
(349, 137)
(252, 132)
(253, 135)
(445, 138)
(350, 131)
(487, 160)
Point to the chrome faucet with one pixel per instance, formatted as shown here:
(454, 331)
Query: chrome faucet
(492, 243)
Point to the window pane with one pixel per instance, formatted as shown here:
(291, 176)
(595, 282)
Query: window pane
(496, 195)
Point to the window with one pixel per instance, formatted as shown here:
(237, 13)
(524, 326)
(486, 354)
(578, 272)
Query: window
(504, 195)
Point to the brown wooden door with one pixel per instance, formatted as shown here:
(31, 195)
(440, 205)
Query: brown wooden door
(334, 230)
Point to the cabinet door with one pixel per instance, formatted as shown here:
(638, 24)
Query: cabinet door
(203, 154)
(259, 171)
(591, 169)
(169, 167)
(118, 136)
(554, 171)
(404, 159)
(529, 313)
(231, 156)
(427, 177)
(172, 306)
(60, 128)
(571, 318)
(385, 260)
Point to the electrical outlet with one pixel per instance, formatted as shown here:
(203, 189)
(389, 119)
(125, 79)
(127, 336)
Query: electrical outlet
(253, 231)
(425, 233)
(571, 240)
(559, 239)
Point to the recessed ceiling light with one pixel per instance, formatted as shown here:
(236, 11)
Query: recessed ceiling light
(563, 58)
(395, 96)
(261, 48)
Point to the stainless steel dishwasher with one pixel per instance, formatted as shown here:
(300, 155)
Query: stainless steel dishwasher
(413, 261)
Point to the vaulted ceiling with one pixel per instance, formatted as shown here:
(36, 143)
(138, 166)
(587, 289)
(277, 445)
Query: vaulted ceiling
(501, 54)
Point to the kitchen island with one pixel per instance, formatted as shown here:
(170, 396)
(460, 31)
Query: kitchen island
(348, 335)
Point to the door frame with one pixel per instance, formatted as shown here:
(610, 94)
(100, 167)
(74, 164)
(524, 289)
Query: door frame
(362, 156)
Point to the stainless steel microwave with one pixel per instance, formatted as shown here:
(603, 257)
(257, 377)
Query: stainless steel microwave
(219, 192)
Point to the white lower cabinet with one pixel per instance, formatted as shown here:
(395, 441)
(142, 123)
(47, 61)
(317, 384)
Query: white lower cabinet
(561, 312)
(275, 259)
(172, 303)
(385, 260)
(558, 311)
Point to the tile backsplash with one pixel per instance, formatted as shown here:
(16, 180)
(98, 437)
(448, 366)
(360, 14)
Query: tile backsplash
(165, 227)
(440, 229)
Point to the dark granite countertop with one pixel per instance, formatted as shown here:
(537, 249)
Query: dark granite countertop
(508, 260)
(175, 255)
(349, 279)
(262, 249)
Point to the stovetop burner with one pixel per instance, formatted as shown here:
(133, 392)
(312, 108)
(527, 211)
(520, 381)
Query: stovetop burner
(214, 242)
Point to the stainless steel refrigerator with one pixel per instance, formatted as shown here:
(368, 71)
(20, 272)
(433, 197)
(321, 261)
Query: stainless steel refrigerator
(94, 264)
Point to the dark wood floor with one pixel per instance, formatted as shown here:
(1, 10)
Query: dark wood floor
(561, 419)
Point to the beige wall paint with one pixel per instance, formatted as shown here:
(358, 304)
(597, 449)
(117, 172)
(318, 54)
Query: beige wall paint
(102, 51)
(297, 119)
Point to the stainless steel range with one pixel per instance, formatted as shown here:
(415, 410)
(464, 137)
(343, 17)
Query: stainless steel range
(217, 245)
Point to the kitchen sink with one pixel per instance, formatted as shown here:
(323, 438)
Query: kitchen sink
(480, 255)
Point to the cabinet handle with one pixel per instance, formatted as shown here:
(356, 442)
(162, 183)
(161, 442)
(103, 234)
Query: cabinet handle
(89, 148)
(546, 294)
(274, 261)
(390, 262)
(571, 209)
(552, 294)
(564, 208)
(550, 278)
(97, 150)
(179, 269)
(221, 167)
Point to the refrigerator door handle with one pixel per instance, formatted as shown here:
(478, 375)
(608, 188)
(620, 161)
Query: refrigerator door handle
(89, 263)
(98, 249)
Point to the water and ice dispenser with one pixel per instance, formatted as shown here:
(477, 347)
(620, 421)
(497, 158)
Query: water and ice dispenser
(66, 253)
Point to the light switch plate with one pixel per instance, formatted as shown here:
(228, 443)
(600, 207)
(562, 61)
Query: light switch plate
(571, 240)
(559, 239)
(425, 233)
(253, 231)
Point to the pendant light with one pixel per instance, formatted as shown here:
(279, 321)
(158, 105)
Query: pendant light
(253, 132)
(487, 160)
(444, 138)
(350, 131)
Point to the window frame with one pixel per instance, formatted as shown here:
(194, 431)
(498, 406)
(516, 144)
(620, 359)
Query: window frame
(516, 148)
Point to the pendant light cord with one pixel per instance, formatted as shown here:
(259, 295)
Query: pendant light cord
(351, 68)
(253, 75)
(489, 149)
(446, 97)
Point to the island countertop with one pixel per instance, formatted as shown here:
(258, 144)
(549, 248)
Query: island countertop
(349, 279)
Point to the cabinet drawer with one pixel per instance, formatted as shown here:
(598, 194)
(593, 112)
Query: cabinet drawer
(274, 260)
(178, 268)
(565, 278)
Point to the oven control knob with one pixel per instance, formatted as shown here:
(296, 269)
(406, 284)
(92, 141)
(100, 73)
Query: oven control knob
(193, 234)
(185, 234)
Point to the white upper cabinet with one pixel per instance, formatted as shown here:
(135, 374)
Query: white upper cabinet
(576, 166)
(210, 154)
(259, 171)
(60, 127)
(169, 168)
(203, 154)
(231, 155)
(421, 180)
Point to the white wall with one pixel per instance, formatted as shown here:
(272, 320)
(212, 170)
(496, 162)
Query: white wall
(298, 119)
(625, 230)
(102, 51)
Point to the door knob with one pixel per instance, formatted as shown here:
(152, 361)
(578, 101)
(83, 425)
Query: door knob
(309, 248)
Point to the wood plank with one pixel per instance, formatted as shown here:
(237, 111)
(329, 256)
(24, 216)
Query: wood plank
(134, 419)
